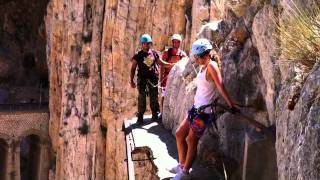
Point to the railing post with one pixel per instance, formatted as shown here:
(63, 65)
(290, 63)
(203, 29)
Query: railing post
(9, 162)
(17, 173)
(43, 166)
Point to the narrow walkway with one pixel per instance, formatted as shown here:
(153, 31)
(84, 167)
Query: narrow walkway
(161, 142)
(164, 149)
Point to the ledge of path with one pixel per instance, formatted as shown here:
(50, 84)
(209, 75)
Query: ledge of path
(161, 142)
(164, 150)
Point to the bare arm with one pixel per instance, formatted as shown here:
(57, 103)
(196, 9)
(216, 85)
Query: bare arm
(215, 54)
(215, 75)
(133, 71)
(163, 63)
(164, 57)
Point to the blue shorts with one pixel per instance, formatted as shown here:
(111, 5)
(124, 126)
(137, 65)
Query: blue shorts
(199, 121)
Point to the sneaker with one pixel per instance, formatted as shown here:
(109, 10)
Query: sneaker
(176, 169)
(181, 176)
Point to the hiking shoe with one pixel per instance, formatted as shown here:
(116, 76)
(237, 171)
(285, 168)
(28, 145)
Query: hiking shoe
(176, 169)
(155, 117)
(181, 176)
(140, 120)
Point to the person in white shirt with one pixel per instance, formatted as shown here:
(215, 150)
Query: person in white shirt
(192, 128)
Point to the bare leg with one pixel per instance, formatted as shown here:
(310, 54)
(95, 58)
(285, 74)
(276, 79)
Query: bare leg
(192, 149)
(181, 135)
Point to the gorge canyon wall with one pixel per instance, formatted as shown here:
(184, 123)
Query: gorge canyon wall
(88, 46)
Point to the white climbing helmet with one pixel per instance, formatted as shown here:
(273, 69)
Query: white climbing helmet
(200, 46)
(176, 37)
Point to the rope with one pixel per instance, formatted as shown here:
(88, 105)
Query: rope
(158, 85)
(269, 133)
(224, 170)
(247, 29)
(194, 68)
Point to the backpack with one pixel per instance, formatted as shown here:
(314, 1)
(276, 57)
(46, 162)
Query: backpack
(170, 53)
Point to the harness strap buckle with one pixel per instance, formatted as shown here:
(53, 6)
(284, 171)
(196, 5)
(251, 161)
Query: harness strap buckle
(198, 111)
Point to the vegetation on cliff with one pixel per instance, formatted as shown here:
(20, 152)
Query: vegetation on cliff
(300, 34)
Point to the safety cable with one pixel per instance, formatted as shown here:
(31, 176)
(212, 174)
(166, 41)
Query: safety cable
(251, 121)
(158, 85)
(224, 170)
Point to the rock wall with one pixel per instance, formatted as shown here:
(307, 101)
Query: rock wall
(88, 47)
(298, 126)
(265, 88)
(23, 66)
(124, 22)
(77, 57)
(89, 44)
(74, 36)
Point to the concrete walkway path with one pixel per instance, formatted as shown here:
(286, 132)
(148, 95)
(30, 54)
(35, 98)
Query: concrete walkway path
(164, 149)
(161, 141)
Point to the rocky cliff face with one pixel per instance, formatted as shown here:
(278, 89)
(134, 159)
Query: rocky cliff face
(88, 47)
(23, 66)
(124, 22)
(265, 88)
(73, 50)
(74, 36)
(243, 77)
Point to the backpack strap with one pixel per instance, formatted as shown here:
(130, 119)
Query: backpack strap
(180, 53)
(169, 54)
(156, 56)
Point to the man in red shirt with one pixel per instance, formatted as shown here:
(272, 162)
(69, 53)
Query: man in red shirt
(171, 55)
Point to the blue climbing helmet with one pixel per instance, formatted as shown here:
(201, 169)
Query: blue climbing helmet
(145, 38)
(200, 46)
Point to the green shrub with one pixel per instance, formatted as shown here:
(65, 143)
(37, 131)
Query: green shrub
(299, 34)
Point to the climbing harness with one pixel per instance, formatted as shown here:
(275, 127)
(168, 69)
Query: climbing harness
(269, 133)
(214, 124)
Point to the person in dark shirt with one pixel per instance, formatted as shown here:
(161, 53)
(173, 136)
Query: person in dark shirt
(147, 61)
